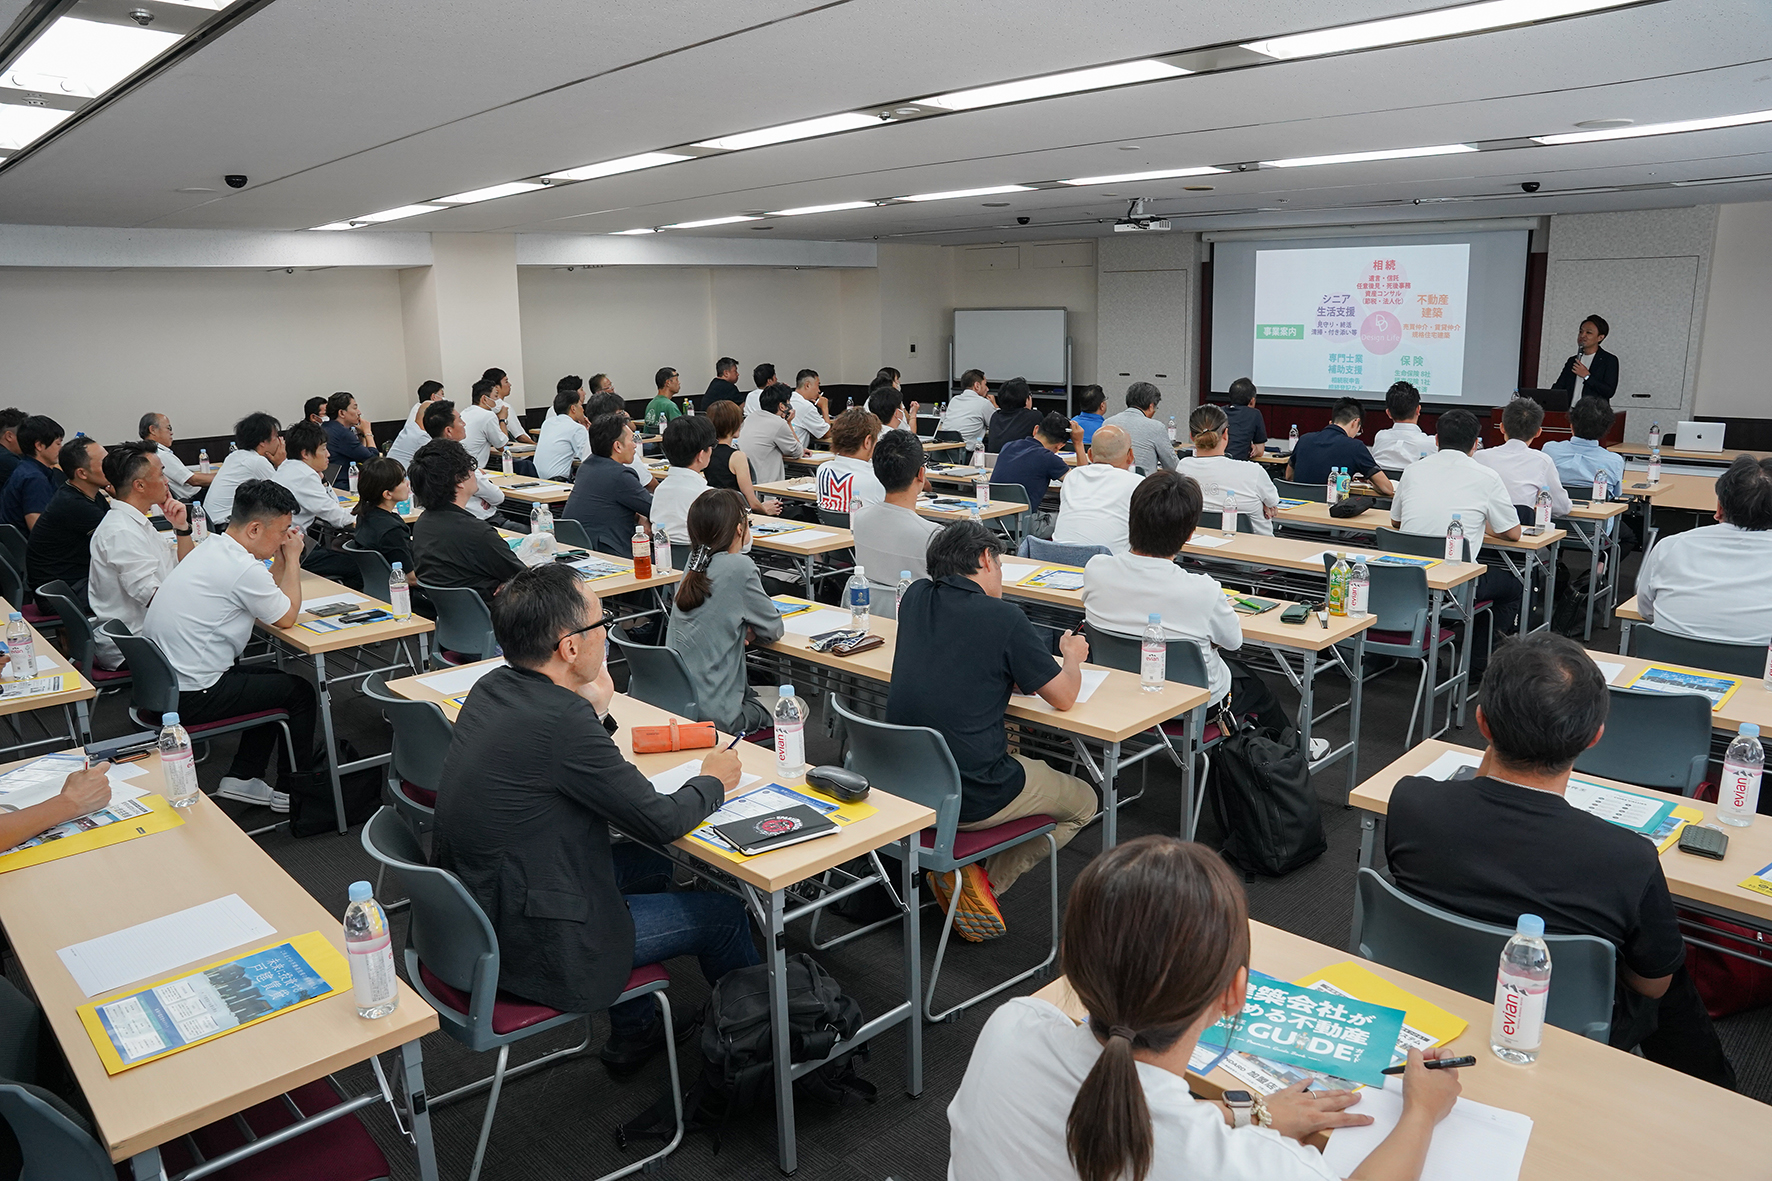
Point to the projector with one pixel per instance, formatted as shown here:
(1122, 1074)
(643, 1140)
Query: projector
(1141, 225)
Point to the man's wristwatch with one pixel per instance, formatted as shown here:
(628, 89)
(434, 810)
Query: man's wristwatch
(177, 532)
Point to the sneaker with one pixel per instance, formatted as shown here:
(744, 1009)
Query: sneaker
(280, 801)
(249, 791)
(1319, 748)
(977, 918)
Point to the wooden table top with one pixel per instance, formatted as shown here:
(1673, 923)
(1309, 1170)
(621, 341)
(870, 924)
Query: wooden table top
(306, 642)
(1586, 1100)
(1698, 879)
(1749, 703)
(1721, 458)
(1315, 513)
(1628, 610)
(1295, 554)
(74, 686)
(772, 871)
(50, 906)
(795, 541)
(545, 492)
(806, 488)
(1677, 490)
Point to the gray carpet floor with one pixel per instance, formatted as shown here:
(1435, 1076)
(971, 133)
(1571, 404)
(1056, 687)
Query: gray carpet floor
(559, 1122)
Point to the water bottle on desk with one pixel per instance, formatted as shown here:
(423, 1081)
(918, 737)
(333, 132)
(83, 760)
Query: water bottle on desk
(1342, 491)
(790, 737)
(1332, 491)
(1654, 435)
(177, 761)
(1228, 521)
(369, 946)
(203, 460)
(1599, 492)
(1359, 588)
(661, 548)
(1522, 988)
(1153, 655)
(1292, 439)
(642, 551)
(1339, 577)
(1541, 513)
(1739, 796)
(1455, 541)
(22, 647)
(905, 580)
(232, 446)
(199, 523)
(351, 477)
(399, 594)
(1655, 465)
(858, 597)
(1172, 429)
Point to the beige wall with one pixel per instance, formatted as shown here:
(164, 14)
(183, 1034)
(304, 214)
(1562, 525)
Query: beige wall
(1033, 275)
(1731, 375)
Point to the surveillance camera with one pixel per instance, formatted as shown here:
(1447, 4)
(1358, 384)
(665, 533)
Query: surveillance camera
(1529, 186)
(141, 16)
(235, 180)
(289, 270)
(1022, 221)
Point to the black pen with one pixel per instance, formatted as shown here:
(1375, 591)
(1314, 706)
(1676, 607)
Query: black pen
(1434, 1064)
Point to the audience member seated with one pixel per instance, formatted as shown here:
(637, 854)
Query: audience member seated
(1336, 446)
(1090, 402)
(1122, 590)
(314, 411)
(482, 433)
(767, 438)
(82, 792)
(564, 439)
(1247, 438)
(258, 441)
(720, 607)
(570, 384)
(130, 558)
(381, 486)
(811, 408)
(531, 787)
(348, 437)
(847, 481)
(1403, 442)
(1707, 583)
(1524, 471)
(1521, 849)
(663, 406)
(10, 455)
(36, 476)
(1015, 418)
(1152, 448)
(443, 421)
(959, 608)
(887, 404)
(1093, 500)
(607, 498)
(1581, 456)
(762, 377)
(412, 433)
(729, 468)
(512, 425)
(724, 386)
(185, 483)
(964, 418)
(301, 472)
(1156, 947)
(607, 401)
(1448, 484)
(890, 538)
(60, 545)
(202, 618)
(1033, 462)
(1228, 483)
(689, 445)
(451, 546)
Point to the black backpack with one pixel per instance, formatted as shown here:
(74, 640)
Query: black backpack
(1263, 801)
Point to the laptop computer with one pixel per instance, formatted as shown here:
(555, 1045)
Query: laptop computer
(1699, 436)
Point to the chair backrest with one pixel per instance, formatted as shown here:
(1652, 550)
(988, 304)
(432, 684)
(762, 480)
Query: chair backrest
(571, 534)
(1425, 545)
(463, 623)
(58, 596)
(657, 676)
(1293, 490)
(448, 932)
(831, 517)
(1411, 936)
(50, 1143)
(153, 685)
(12, 579)
(13, 544)
(331, 475)
(1397, 595)
(1211, 522)
(1185, 664)
(422, 733)
(1010, 493)
(372, 567)
(679, 555)
(909, 761)
(1656, 740)
(1051, 551)
(1744, 660)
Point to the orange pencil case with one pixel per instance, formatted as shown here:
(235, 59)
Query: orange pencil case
(652, 740)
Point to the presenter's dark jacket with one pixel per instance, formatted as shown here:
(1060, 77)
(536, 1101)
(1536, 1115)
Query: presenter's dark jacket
(1602, 375)
(532, 784)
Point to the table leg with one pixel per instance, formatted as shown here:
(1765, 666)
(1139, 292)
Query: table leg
(1528, 561)
(146, 1166)
(331, 746)
(1307, 701)
(412, 1062)
(1110, 798)
(1368, 835)
(1624, 626)
(424, 652)
(1353, 720)
(775, 938)
(811, 593)
(1548, 557)
(913, 967)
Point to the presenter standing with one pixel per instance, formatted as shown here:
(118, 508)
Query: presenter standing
(1592, 370)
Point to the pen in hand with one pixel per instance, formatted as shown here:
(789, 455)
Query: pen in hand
(1435, 1064)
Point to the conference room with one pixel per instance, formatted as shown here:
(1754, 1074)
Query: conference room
(884, 590)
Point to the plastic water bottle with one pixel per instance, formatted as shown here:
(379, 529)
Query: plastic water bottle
(22, 646)
(1599, 492)
(857, 595)
(1228, 519)
(1153, 656)
(232, 446)
(1541, 513)
(905, 580)
(1342, 491)
(642, 551)
(399, 594)
(790, 737)
(369, 946)
(351, 476)
(1172, 428)
(1455, 541)
(1359, 588)
(542, 519)
(403, 507)
(1655, 465)
(981, 487)
(1739, 797)
(1654, 435)
(1522, 987)
(1292, 439)
(1332, 491)
(203, 460)
(177, 761)
(199, 523)
(1339, 576)
(1769, 668)
(661, 548)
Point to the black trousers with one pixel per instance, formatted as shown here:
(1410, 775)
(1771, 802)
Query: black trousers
(1505, 591)
(247, 690)
(1675, 1031)
(338, 566)
(1250, 696)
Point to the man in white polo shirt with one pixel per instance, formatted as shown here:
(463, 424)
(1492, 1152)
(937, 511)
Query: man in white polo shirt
(965, 417)
(1525, 472)
(203, 616)
(1095, 499)
(300, 472)
(565, 438)
(157, 429)
(484, 434)
(1710, 583)
(443, 421)
(258, 439)
(130, 558)
(412, 434)
(689, 445)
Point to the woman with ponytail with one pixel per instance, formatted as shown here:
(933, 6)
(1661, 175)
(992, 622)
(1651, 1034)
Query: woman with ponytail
(1156, 947)
(720, 606)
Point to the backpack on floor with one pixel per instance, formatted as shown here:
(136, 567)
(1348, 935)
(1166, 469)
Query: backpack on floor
(1261, 794)
(311, 809)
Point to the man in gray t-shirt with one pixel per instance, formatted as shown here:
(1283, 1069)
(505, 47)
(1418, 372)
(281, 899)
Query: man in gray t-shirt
(1152, 448)
(891, 538)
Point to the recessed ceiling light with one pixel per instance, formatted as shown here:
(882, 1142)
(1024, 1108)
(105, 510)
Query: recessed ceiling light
(949, 196)
(762, 227)
(1581, 137)
(804, 129)
(335, 225)
(492, 192)
(805, 209)
(1070, 82)
(1132, 177)
(1197, 188)
(1362, 157)
(710, 221)
(1129, 147)
(195, 189)
(996, 204)
(1601, 124)
(20, 125)
(1424, 26)
(630, 233)
(397, 213)
(615, 167)
(88, 57)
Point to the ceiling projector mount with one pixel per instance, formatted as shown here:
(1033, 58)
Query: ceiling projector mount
(1137, 221)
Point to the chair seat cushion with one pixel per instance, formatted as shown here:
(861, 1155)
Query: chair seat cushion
(38, 617)
(417, 794)
(509, 1013)
(1400, 638)
(646, 974)
(105, 676)
(967, 844)
(262, 717)
(453, 657)
(1178, 729)
(341, 1150)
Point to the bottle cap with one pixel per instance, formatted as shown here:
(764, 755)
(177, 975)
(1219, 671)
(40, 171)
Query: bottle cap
(861, 571)
(16, 615)
(1750, 730)
(169, 718)
(785, 691)
(361, 892)
(1530, 924)
(1154, 618)
(398, 568)
(904, 573)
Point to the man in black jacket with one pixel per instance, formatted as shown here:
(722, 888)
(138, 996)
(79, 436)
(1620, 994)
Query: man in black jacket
(531, 786)
(1592, 371)
(724, 387)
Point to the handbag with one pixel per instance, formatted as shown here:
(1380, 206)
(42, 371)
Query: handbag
(652, 740)
(1353, 506)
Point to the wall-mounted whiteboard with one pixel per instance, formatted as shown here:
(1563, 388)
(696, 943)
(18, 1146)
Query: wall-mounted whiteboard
(1011, 342)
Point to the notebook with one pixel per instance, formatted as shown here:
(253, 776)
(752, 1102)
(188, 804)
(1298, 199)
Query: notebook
(775, 830)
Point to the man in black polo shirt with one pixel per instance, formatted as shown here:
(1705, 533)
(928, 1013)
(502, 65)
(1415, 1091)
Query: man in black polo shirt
(1507, 843)
(606, 495)
(724, 387)
(61, 544)
(1248, 433)
(1336, 445)
(450, 545)
(960, 608)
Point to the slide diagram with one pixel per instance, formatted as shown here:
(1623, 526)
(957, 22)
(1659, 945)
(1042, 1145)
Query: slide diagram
(1357, 318)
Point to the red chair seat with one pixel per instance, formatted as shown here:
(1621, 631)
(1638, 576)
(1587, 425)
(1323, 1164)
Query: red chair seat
(1178, 729)
(418, 795)
(1401, 638)
(263, 715)
(648, 974)
(763, 737)
(966, 844)
(510, 1013)
(341, 1150)
(102, 675)
(452, 657)
(38, 617)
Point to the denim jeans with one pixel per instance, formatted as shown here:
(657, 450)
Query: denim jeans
(714, 928)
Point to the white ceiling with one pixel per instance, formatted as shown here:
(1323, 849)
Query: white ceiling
(336, 108)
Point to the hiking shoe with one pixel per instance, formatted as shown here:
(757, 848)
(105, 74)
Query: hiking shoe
(977, 918)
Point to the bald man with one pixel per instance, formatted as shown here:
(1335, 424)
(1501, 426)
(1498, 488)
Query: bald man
(1095, 500)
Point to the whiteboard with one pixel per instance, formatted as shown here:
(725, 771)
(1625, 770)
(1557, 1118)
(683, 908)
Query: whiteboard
(1011, 342)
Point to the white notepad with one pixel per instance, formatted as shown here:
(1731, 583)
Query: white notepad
(1475, 1142)
(1092, 679)
(813, 623)
(457, 681)
(667, 782)
(154, 948)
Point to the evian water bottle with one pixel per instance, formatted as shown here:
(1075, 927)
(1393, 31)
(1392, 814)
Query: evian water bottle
(790, 737)
(1739, 796)
(369, 947)
(1522, 987)
(1153, 659)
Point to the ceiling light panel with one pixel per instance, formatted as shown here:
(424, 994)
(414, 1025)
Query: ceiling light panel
(805, 209)
(711, 221)
(87, 58)
(1130, 177)
(804, 129)
(1363, 157)
(1711, 124)
(949, 196)
(493, 192)
(20, 125)
(629, 233)
(616, 167)
(1425, 26)
(397, 214)
(1070, 82)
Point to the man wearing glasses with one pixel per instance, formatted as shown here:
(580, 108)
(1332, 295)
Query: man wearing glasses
(531, 788)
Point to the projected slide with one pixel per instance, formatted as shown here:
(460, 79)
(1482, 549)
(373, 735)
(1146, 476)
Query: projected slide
(1358, 318)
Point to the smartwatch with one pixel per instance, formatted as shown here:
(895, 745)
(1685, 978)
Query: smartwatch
(1242, 1105)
